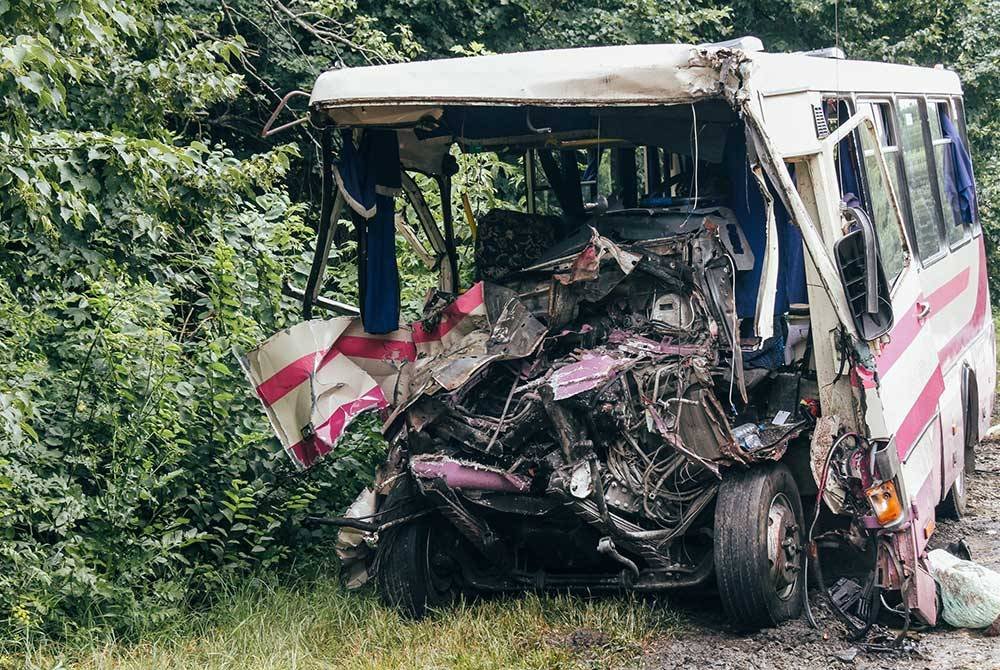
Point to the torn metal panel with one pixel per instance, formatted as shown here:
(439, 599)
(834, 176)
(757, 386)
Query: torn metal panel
(467, 475)
(764, 318)
(584, 375)
(587, 264)
(311, 387)
(826, 430)
(669, 433)
(351, 547)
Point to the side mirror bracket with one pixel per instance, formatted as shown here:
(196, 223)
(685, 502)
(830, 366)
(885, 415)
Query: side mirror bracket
(862, 276)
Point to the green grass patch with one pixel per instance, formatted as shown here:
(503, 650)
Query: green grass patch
(318, 625)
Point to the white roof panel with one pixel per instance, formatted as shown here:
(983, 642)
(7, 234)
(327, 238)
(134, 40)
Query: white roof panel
(650, 74)
(622, 75)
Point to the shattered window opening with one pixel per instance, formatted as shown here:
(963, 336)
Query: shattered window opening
(923, 205)
(881, 210)
(599, 358)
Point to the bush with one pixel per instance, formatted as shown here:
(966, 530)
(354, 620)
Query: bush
(137, 471)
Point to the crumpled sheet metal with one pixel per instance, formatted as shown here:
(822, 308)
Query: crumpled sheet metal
(588, 373)
(671, 437)
(467, 476)
(638, 344)
(586, 265)
(515, 333)
(316, 377)
(351, 548)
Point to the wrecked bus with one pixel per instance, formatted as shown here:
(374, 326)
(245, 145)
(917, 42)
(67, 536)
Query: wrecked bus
(727, 288)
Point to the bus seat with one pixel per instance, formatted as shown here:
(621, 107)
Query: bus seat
(508, 240)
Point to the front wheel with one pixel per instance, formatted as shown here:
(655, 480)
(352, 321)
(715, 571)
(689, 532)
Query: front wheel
(758, 546)
(415, 569)
(412, 575)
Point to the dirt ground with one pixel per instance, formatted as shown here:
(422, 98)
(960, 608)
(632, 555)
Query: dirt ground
(707, 643)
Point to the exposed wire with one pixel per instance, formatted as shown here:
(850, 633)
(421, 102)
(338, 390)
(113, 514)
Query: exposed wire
(503, 414)
(812, 526)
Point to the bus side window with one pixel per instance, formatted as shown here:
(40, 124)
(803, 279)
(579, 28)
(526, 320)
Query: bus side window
(879, 205)
(923, 201)
(881, 112)
(845, 153)
(940, 113)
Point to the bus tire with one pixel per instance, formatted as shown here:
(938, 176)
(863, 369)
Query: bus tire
(956, 502)
(407, 569)
(971, 420)
(759, 546)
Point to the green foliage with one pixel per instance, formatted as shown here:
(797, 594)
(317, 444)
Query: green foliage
(137, 474)
(441, 26)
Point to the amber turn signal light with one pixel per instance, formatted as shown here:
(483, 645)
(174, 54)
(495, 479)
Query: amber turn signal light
(885, 503)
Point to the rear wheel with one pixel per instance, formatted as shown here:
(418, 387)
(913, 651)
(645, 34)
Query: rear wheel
(758, 546)
(971, 423)
(954, 505)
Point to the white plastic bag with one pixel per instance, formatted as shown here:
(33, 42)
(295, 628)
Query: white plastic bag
(970, 593)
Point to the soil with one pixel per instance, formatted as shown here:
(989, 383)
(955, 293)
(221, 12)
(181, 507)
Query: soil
(707, 641)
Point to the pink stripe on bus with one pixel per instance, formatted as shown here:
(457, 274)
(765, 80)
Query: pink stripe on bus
(905, 331)
(951, 351)
(451, 316)
(357, 346)
(902, 335)
(864, 377)
(947, 292)
(923, 410)
(324, 436)
(274, 388)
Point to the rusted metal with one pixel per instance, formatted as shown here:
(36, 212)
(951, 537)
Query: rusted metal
(267, 130)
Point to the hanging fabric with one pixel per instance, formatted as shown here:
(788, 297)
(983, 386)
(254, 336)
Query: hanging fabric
(368, 177)
(960, 182)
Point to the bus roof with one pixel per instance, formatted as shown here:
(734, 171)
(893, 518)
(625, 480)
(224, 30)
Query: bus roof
(653, 74)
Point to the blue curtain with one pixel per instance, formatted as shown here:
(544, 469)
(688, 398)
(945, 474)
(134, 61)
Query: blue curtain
(368, 177)
(747, 204)
(959, 182)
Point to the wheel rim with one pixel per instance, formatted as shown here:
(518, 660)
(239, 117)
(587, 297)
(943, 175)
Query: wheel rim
(438, 566)
(783, 547)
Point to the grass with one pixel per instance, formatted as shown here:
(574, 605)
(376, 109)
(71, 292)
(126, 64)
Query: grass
(318, 625)
(258, 626)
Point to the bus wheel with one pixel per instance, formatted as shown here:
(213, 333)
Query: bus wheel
(759, 545)
(414, 570)
(953, 506)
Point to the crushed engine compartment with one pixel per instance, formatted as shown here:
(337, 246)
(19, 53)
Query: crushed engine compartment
(595, 388)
